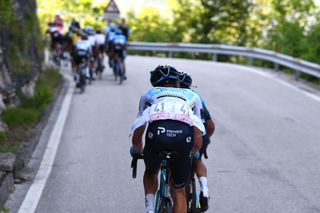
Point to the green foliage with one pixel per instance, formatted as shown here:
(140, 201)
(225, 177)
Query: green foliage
(17, 116)
(2, 136)
(30, 110)
(6, 12)
(4, 210)
(289, 39)
(150, 26)
(312, 44)
(86, 11)
(44, 90)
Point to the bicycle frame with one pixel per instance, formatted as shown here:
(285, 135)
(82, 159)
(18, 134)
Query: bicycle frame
(164, 201)
(164, 189)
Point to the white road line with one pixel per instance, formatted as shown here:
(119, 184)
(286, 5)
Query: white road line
(33, 196)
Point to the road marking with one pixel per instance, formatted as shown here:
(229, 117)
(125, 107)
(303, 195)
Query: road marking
(33, 196)
(267, 75)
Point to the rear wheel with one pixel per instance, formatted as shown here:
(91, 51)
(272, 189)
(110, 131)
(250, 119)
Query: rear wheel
(82, 82)
(99, 70)
(191, 196)
(121, 71)
(166, 207)
(158, 200)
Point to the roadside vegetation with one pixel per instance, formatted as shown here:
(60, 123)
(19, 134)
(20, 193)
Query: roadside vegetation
(23, 118)
(291, 27)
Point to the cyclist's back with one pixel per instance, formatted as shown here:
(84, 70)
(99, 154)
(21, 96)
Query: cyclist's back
(82, 50)
(172, 126)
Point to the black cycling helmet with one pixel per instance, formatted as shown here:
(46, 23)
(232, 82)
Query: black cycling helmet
(185, 80)
(162, 75)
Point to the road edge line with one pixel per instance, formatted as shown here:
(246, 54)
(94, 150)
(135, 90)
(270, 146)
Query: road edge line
(34, 193)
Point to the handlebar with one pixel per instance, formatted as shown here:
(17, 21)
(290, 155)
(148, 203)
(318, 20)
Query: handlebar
(134, 163)
(205, 154)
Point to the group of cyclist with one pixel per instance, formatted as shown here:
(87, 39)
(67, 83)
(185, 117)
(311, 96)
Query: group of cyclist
(87, 46)
(176, 119)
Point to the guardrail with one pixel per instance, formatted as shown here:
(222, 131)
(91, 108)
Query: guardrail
(215, 49)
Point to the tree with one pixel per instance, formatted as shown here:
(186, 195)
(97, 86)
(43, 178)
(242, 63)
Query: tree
(213, 21)
(288, 23)
(149, 26)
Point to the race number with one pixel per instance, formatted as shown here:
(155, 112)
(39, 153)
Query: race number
(172, 110)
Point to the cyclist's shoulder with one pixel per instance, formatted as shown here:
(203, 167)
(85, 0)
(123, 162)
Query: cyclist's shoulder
(198, 94)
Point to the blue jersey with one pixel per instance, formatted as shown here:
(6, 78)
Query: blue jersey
(205, 115)
(119, 40)
(110, 36)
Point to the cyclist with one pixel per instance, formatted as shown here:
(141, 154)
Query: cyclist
(124, 28)
(75, 24)
(200, 168)
(110, 35)
(120, 46)
(74, 35)
(94, 53)
(100, 48)
(82, 53)
(110, 25)
(174, 124)
(56, 37)
(58, 21)
(100, 43)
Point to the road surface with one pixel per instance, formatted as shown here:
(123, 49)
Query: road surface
(264, 156)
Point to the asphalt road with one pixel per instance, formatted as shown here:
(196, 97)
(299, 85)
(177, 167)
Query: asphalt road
(264, 156)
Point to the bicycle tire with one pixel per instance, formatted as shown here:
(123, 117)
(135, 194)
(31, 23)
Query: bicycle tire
(82, 83)
(194, 197)
(157, 202)
(191, 196)
(165, 206)
(121, 72)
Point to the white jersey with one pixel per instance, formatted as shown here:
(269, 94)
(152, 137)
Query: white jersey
(83, 45)
(92, 40)
(100, 39)
(168, 103)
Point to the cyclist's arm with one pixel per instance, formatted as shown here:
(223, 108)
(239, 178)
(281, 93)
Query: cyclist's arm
(198, 106)
(142, 103)
(210, 125)
(197, 137)
(137, 139)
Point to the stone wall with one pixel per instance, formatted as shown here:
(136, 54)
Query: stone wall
(21, 50)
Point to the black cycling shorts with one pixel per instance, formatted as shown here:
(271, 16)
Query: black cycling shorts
(102, 48)
(169, 135)
(121, 53)
(80, 56)
(56, 38)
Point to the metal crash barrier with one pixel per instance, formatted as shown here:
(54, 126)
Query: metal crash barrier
(215, 49)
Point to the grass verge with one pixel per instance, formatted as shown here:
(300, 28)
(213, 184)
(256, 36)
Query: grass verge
(23, 118)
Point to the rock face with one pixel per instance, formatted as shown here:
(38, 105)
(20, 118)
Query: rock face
(20, 48)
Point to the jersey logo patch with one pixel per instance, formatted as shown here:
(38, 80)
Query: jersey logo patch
(161, 130)
(188, 139)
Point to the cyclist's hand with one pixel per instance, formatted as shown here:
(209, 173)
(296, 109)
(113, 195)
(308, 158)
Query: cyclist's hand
(208, 141)
(133, 152)
(196, 155)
